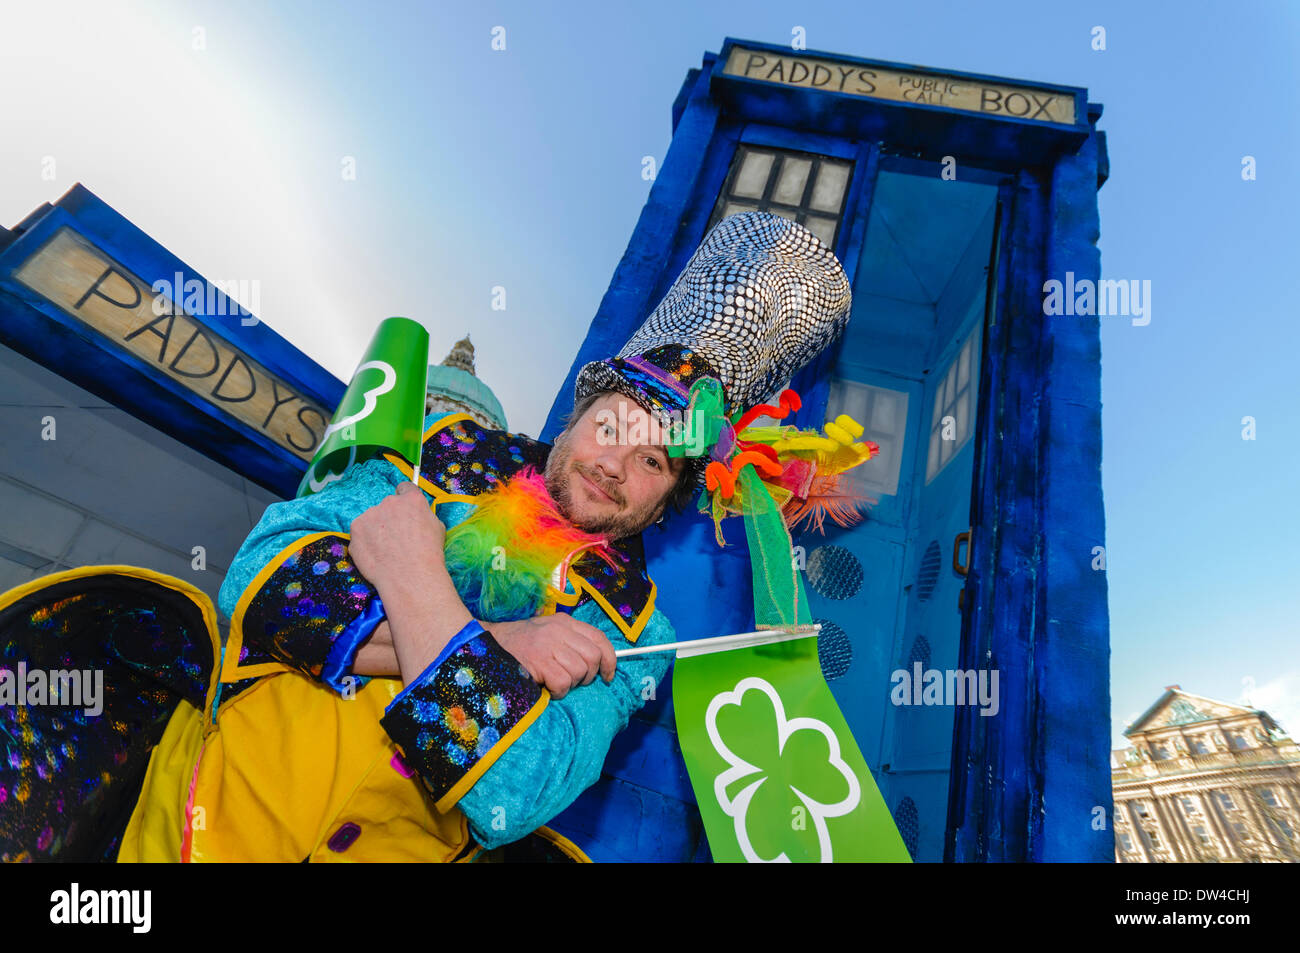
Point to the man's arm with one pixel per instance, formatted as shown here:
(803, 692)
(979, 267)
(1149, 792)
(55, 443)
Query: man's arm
(292, 593)
(482, 735)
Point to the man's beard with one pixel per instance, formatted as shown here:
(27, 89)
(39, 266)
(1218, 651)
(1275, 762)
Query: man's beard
(559, 483)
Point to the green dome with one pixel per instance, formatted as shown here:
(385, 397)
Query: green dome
(463, 386)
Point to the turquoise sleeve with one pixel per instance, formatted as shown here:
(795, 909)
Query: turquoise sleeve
(312, 609)
(560, 754)
(332, 510)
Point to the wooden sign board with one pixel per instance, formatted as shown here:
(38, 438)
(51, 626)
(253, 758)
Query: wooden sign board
(111, 300)
(984, 97)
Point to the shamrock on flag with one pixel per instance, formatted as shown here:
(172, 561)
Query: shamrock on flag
(826, 785)
(776, 772)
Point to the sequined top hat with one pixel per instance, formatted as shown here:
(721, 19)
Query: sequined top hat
(759, 299)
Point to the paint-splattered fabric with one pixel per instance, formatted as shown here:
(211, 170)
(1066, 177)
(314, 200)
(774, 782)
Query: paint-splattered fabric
(456, 714)
(299, 614)
(561, 754)
(71, 762)
(67, 778)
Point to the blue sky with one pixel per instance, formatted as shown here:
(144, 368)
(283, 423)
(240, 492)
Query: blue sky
(522, 169)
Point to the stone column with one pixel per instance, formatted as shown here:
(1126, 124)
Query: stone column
(1266, 829)
(1192, 845)
(1223, 842)
(1161, 828)
(1138, 834)
(1234, 847)
(1162, 809)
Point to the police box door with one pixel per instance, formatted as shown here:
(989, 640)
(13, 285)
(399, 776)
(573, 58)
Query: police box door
(887, 591)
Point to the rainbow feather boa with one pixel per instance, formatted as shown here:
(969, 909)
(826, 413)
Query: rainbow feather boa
(502, 557)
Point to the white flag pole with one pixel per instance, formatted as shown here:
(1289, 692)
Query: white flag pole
(723, 643)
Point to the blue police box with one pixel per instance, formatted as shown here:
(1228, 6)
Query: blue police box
(965, 628)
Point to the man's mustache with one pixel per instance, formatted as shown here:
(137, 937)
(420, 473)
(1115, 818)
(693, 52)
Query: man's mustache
(605, 485)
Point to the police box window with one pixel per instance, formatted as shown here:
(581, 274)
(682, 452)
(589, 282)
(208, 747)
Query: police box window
(952, 422)
(801, 186)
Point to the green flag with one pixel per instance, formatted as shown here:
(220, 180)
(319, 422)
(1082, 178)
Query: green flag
(776, 772)
(382, 409)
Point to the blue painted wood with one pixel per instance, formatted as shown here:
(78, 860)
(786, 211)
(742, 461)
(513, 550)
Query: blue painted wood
(1072, 659)
(993, 770)
(649, 755)
(617, 822)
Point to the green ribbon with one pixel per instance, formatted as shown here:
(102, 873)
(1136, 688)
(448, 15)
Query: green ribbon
(705, 419)
(779, 597)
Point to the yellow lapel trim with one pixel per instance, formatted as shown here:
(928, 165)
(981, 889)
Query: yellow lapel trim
(633, 632)
(231, 670)
(438, 493)
(565, 846)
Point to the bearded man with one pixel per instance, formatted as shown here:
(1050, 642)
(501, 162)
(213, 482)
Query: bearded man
(410, 674)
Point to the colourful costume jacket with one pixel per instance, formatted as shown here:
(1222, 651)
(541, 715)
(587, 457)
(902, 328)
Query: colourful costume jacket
(267, 747)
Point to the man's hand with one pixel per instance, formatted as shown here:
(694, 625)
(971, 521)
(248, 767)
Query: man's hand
(557, 650)
(397, 544)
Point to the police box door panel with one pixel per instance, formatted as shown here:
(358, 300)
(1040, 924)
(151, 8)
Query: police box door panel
(908, 371)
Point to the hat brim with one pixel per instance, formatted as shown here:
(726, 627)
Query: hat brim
(665, 404)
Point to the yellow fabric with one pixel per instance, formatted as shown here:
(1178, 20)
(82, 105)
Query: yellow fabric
(155, 831)
(566, 846)
(281, 794)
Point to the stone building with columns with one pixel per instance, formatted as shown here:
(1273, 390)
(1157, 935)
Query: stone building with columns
(1206, 781)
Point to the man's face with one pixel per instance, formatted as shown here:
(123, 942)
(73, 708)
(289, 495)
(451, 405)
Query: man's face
(609, 472)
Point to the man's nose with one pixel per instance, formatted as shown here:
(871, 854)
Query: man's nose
(612, 464)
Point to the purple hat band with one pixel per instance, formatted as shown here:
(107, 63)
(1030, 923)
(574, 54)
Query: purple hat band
(726, 442)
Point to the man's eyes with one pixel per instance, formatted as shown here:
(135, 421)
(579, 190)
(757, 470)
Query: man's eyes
(651, 461)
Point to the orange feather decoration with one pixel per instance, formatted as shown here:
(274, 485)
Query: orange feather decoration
(825, 497)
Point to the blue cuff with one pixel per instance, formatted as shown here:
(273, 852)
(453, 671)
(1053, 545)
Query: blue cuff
(343, 653)
(471, 631)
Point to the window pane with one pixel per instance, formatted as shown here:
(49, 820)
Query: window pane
(753, 175)
(793, 178)
(883, 415)
(734, 207)
(823, 228)
(857, 403)
(828, 190)
(963, 365)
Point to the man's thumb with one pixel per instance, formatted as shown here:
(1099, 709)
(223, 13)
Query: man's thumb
(406, 487)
